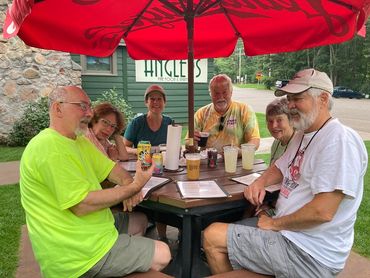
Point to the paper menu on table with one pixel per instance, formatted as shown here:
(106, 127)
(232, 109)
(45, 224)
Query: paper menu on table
(200, 189)
(129, 166)
(153, 184)
(247, 179)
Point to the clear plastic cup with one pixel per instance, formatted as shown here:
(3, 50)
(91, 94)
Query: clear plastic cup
(193, 165)
(248, 151)
(230, 157)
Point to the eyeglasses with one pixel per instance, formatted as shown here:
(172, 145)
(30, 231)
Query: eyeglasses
(84, 105)
(107, 123)
(221, 126)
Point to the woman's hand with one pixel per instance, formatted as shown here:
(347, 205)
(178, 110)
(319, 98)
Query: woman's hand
(113, 153)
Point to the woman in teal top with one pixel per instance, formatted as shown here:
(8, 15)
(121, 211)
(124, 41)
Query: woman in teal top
(151, 126)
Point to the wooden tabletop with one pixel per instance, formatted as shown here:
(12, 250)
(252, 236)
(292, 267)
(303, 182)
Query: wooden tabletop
(168, 194)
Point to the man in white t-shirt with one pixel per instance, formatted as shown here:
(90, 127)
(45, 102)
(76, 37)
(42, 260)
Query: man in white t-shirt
(321, 174)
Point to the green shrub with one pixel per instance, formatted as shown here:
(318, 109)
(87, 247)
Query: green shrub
(34, 119)
(112, 97)
(269, 82)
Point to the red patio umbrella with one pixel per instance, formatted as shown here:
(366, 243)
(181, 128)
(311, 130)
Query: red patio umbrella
(180, 29)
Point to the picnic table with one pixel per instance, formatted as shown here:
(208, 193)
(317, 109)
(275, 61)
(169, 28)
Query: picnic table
(192, 216)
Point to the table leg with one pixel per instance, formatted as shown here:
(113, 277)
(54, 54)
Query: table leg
(186, 246)
(198, 267)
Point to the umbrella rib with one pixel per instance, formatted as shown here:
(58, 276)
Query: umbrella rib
(137, 18)
(182, 4)
(173, 7)
(200, 11)
(349, 6)
(237, 33)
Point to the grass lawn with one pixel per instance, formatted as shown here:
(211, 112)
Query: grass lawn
(11, 220)
(252, 86)
(264, 132)
(10, 153)
(264, 156)
(362, 238)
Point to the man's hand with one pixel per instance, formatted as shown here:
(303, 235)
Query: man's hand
(196, 135)
(265, 222)
(255, 193)
(128, 189)
(142, 176)
(130, 203)
(190, 145)
(140, 179)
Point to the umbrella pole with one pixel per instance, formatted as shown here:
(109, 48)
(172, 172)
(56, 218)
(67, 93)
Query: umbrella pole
(190, 28)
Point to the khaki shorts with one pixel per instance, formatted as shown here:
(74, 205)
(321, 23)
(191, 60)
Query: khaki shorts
(128, 254)
(268, 252)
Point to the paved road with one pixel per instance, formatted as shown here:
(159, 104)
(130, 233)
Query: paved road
(351, 112)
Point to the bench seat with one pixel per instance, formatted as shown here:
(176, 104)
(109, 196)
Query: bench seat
(149, 274)
(241, 273)
(28, 267)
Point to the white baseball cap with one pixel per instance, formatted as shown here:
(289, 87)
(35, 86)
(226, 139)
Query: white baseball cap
(304, 80)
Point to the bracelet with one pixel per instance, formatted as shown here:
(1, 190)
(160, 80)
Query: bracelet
(269, 211)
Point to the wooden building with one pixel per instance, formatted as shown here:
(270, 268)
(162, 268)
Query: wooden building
(130, 78)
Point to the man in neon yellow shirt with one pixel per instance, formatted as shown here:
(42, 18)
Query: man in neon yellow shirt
(71, 227)
(226, 121)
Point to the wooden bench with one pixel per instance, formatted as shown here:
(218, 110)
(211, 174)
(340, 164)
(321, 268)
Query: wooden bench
(356, 266)
(242, 273)
(149, 274)
(28, 267)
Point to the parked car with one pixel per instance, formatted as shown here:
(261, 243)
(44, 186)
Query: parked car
(281, 83)
(341, 91)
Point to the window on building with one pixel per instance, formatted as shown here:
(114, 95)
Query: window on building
(99, 65)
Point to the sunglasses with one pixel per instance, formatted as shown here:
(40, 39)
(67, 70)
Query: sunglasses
(107, 123)
(221, 125)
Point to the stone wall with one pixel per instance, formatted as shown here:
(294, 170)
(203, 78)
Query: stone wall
(28, 73)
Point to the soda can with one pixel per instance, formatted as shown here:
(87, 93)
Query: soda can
(158, 163)
(212, 158)
(143, 153)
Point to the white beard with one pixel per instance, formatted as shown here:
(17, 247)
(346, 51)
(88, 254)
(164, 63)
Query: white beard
(305, 120)
(221, 106)
(80, 131)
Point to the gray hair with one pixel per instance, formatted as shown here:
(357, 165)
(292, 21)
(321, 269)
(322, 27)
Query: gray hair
(277, 107)
(315, 92)
(220, 78)
(57, 95)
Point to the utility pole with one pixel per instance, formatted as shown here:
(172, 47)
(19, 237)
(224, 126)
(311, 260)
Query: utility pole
(240, 65)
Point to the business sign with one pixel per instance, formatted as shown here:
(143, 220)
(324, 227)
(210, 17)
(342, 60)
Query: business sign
(173, 71)
(259, 75)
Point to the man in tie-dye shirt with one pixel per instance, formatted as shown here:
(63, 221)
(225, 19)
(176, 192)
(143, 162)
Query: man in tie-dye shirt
(228, 122)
